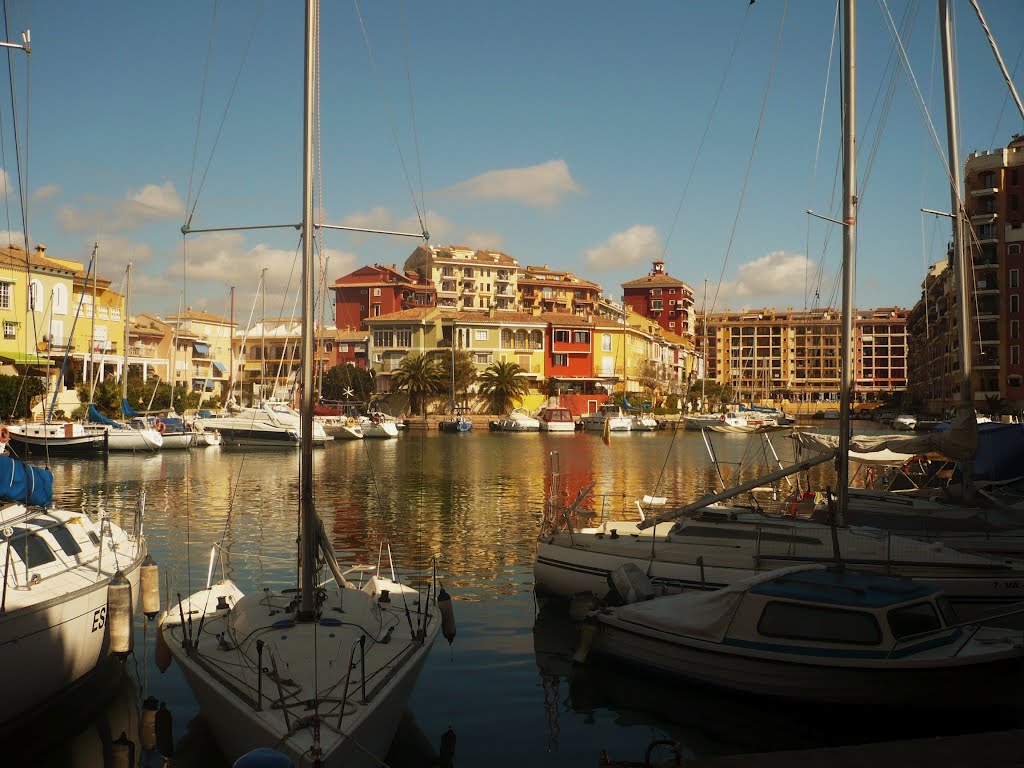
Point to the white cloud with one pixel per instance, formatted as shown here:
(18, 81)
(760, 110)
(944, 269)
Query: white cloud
(776, 275)
(541, 186)
(46, 192)
(482, 240)
(636, 245)
(152, 201)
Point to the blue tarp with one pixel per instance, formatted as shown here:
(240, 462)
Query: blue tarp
(1000, 453)
(20, 481)
(95, 417)
(127, 410)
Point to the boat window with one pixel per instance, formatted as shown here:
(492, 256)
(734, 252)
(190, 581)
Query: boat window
(827, 625)
(913, 619)
(947, 610)
(746, 534)
(31, 549)
(66, 540)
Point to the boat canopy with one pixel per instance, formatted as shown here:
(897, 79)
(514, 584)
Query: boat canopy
(25, 484)
(959, 441)
(127, 410)
(95, 417)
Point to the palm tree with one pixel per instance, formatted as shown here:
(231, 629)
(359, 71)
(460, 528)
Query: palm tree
(502, 383)
(421, 377)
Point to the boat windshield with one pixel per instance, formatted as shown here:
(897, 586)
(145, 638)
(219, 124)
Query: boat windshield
(913, 619)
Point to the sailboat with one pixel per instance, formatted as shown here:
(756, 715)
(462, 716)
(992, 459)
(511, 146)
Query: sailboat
(69, 588)
(323, 673)
(721, 545)
(456, 421)
(136, 434)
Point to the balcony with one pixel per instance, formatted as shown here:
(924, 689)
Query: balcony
(503, 277)
(984, 217)
(984, 191)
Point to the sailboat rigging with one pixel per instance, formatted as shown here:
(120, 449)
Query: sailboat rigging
(352, 652)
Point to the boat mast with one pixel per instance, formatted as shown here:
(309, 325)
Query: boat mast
(127, 322)
(849, 220)
(231, 348)
(307, 611)
(704, 377)
(92, 332)
(964, 268)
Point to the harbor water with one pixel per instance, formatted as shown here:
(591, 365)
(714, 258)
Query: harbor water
(505, 692)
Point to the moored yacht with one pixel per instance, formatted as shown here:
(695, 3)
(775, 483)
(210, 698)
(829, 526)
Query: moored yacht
(608, 416)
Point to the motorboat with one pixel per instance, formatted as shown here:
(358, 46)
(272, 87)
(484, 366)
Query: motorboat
(321, 671)
(817, 634)
(340, 427)
(455, 423)
(71, 584)
(608, 416)
(519, 420)
(644, 422)
(58, 438)
(378, 425)
(271, 424)
(905, 421)
(701, 420)
(734, 421)
(555, 418)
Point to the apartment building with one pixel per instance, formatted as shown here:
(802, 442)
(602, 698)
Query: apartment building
(203, 351)
(466, 279)
(555, 290)
(372, 291)
(795, 355)
(662, 298)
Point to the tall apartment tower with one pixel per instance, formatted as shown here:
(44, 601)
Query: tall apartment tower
(662, 298)
(467, 279)
(994, 202)
(994, 199)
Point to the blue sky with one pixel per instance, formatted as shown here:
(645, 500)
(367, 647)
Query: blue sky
(561, 133)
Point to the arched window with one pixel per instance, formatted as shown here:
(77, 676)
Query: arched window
(35, 296)
(536, 339)
(520, 339)
(506, 338)
(60, 299)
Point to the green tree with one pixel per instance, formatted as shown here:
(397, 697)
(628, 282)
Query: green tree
(16, 395)
(348, 376)
(421, 377)
(501, 384)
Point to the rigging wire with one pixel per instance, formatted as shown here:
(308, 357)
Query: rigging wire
(707, 129)
(753, 148)
(412, 104)
(387, 106)
(817, 149)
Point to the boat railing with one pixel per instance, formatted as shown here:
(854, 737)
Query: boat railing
(972, 627)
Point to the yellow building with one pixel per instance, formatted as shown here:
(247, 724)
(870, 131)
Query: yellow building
(31, 337)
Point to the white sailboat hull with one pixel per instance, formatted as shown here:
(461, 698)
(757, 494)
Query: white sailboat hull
(134, 440)
(54, 633)
(313, 662)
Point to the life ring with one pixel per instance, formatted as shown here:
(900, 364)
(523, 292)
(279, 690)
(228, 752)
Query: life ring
(160, 427)
(350, 422)
(722, 417)
(5, 434)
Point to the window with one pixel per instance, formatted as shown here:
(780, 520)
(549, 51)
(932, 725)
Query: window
(60, 299)
(537, 339)
(581, 337)
(480, 335)
(560, 360)
(606, 342)
(506, 338)
(31, 548)
(383, 339)
(66, 540)
(362, 309)
(809, 622)
(562, 335)
(329, 347)
(987, 232)
(1015, 278)
(656, 305)
(1013, 381)
(655, 291)
(35, 296)
(913, 619)
(10, 330)
(375, 310)
(5, 295)
(1015, 329)
(482, 358)
(1015, 302)
(376, 291)
(1015, 355)
(344, 348)
(403, 338)
(1013, 249)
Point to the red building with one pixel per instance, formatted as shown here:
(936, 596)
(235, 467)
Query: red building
(377, 290)
(351, 347)
(662, 298)
(570, 351)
